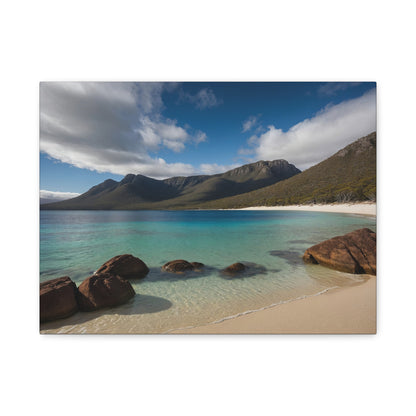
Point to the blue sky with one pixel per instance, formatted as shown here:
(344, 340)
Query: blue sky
(90, 132)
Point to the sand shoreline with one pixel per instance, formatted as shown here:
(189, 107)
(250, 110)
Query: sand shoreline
(364, 208)
(347, 310)
(341, 310)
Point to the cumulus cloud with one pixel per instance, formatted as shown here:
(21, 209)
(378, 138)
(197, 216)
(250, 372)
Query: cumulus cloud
(112, 127)
(249, 123)
(200, 137)
(203, 99)
(156, 134)
(55, 196)
(317, 138)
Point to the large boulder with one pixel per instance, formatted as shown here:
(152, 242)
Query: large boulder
(234, 269)
(57, 299)
(354, 252)
(180, 266)
(103, 290)
(125, 266)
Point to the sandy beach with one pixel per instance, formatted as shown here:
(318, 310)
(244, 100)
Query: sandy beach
(350, 310)
(363, 208)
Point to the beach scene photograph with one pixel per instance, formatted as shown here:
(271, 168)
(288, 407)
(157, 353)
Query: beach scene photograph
(214, 203)
(208, 207)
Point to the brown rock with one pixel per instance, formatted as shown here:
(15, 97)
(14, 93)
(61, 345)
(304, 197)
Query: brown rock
(57, 299)
(177, 266)
(234, 268)
(103, 290)
(354, 252)
(126, 266)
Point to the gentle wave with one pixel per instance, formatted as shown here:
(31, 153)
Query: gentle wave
(254, 310)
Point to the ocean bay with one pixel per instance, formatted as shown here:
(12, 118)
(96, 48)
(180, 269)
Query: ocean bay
(271, 243)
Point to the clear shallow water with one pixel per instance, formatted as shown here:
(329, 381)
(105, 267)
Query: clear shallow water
(75, 243)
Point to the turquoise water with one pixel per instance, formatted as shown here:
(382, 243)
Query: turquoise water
(271, 243)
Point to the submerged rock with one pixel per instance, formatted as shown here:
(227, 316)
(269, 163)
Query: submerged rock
(234, 269)
(354, 252)
(103, 290)
(291, 256)
(57, 299)
(125, 266)
(180, 266)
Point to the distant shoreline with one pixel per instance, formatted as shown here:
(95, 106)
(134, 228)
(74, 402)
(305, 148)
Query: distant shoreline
(361, 208)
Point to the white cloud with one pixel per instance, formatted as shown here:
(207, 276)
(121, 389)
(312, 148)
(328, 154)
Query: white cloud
(200, 137)
(317, 138)
(249, 123)
(55, 196)
(203, 99)
(166, 133)
(112, 127)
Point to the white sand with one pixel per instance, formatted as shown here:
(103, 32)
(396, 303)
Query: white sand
(363, 208)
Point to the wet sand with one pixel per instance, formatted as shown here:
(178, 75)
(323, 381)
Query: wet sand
(350, 310)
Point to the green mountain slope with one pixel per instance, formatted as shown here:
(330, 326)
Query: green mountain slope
(348, 175)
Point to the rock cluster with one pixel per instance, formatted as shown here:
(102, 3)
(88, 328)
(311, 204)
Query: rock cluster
(354, 252)
(107, 287)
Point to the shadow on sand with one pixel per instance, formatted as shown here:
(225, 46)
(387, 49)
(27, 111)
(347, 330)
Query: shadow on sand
(138, 305)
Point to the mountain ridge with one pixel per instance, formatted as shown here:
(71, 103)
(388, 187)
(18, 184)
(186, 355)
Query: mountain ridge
(142, 192)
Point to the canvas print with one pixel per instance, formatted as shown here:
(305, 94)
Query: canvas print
(207, 207)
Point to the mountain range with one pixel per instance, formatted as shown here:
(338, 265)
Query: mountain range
(348, 175)
(141, 192)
